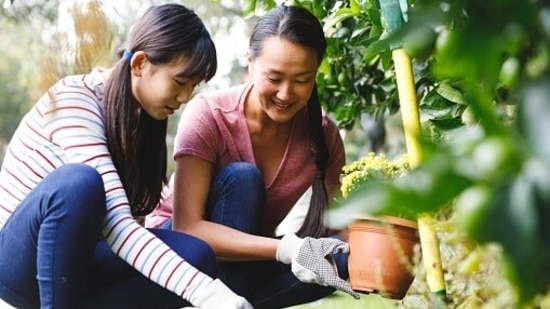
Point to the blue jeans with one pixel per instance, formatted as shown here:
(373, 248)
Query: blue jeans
(52, 254)
(237, 200)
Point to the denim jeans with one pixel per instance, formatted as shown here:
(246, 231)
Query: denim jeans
(52, 254)
(236, 200)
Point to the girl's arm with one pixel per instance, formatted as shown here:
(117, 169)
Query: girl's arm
(74, 121)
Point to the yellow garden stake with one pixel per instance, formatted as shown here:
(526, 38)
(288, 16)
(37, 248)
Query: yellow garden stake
(408, 104)
(429, 242)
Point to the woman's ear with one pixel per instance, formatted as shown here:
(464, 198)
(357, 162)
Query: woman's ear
(138, 62)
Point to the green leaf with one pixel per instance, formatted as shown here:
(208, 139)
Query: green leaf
(534, 115)
(325, 67)
(249, 8)
(515, 219)
(358, 33)
(446, 122)
(337, 17)
(446, 90)
(270, 4)
(319, 9)
(387, 60)
(375, 17)
(355, 7)
(375, 48)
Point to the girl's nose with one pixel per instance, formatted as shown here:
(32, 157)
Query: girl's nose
(185, 94)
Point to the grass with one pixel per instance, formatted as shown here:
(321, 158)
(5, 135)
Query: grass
(342, 300)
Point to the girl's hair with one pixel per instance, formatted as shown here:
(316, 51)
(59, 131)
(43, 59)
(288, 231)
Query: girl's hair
(137, 142)
(299, 26)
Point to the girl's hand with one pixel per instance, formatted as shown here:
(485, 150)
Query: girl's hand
(217, 295)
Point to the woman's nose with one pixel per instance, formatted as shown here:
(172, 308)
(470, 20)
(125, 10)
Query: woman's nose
(285, 93)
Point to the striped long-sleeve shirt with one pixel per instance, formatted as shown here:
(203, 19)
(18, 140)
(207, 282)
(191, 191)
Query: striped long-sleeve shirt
(67, 126)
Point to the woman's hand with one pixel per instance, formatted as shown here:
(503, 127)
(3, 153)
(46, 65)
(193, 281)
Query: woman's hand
(312, 261)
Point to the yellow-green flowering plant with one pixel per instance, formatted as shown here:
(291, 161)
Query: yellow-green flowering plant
(372, 167)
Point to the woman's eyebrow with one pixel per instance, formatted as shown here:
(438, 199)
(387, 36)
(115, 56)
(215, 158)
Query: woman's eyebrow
(278, 72)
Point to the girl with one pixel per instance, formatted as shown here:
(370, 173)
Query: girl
(86, 161)
(245, 155)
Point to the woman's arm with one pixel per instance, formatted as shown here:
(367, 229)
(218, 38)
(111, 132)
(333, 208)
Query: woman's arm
(192, 181)
(191, 186)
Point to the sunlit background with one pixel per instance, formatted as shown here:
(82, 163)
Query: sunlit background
(45, 40)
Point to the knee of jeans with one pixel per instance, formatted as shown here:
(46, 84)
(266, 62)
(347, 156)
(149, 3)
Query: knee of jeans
(341, 260)
(86, 184)
(202, 256)
(81, 176)
(242, 170)
(194, 250)
(243, 173)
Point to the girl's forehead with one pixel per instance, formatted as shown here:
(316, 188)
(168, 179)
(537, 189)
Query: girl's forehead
(199, 63)
(184, 68)
(181, 64)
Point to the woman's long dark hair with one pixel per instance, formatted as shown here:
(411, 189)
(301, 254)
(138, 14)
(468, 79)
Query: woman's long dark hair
(300, 26)
(136, 141)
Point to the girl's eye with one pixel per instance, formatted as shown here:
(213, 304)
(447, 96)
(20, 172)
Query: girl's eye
(187, 82)
(273, 80)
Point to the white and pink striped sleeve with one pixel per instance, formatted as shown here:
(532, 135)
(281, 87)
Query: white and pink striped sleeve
(74, 120)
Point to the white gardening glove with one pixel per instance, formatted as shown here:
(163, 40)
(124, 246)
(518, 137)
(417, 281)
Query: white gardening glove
(312, 261)
(217, 295)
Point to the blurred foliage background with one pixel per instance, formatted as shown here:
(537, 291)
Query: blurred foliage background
(482, 77)
(481, 70)
(44, 40)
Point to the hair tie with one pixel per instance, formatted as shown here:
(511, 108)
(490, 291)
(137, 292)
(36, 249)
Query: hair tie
(127, 55)
(320, 175)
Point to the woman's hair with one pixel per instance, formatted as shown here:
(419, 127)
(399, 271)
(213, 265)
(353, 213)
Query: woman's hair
(299, 26)
(137, 142)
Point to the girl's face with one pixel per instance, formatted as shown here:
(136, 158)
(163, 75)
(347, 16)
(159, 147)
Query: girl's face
(283, 75)
(158, 88)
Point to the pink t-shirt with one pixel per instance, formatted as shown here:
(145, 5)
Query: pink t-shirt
(213, 127)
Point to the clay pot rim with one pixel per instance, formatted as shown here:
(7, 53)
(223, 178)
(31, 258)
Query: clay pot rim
(388, 219)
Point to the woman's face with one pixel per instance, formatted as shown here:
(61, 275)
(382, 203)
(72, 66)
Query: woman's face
(283, 75)
(158, 88)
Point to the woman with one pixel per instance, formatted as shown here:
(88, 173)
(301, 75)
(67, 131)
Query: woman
(87, 161)
(245, 155)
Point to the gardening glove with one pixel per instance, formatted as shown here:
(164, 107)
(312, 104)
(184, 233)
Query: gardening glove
(311, 260)
(217, 295)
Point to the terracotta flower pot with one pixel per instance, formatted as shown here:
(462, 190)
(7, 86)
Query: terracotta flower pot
(381, 255)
